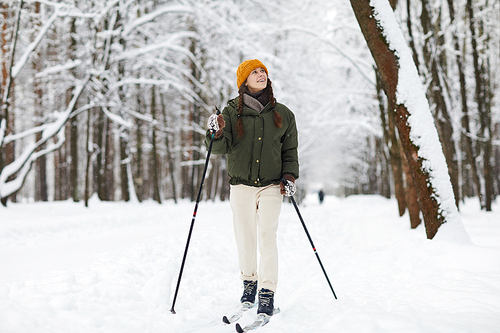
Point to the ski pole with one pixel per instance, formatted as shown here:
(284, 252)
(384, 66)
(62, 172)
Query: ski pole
(285, 182)
(194, 217)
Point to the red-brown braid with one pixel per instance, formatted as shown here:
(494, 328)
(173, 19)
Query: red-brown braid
(277, 117)
(239, 124)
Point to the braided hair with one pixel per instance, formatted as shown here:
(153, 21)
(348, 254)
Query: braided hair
(277, 117)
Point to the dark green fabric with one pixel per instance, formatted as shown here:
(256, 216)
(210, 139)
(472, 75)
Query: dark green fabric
(264, 153)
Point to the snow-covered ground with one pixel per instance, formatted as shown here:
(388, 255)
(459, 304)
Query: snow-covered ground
(113, 267)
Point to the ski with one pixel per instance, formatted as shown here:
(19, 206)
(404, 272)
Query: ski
(237, 314)
(262, 319)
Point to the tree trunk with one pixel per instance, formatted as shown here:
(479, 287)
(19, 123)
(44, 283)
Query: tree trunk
(410, 33)
(88, 149)
(123, 166)
(435, 60)
(482, 100)
(497, 159)
(98, 143)
(139, 163)
(41, 193)
(123, 132)
(196, 169)
(396, 163)
(154, 153)
(465, 138)
(168, 149)
(108, 174)
(7, 119)
(385, 173)
(388, 65)
(392, 144)
(411, 195)
(3, 87)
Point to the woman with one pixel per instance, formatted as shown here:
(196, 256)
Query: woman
(259, 137)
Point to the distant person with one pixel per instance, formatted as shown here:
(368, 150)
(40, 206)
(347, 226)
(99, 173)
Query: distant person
(321, 196)
(259, 136)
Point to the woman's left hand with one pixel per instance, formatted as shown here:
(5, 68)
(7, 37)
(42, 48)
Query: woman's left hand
(287, 186)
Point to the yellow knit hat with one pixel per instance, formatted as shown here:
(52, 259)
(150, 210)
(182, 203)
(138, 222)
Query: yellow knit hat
(245, 68)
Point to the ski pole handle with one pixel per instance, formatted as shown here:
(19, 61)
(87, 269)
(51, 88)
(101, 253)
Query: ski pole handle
(213, 122)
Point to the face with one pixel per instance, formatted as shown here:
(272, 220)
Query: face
(257, 80)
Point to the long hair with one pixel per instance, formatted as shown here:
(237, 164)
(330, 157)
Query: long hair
(239, 124)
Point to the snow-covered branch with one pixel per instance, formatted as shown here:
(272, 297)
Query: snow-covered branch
(22, 165)
(151, 16)
(169, 43)
(59, 68)
(13, 137)
(327, 41)
(32, 46)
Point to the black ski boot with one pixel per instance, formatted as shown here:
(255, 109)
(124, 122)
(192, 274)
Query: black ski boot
(266, 302)
(249, 293)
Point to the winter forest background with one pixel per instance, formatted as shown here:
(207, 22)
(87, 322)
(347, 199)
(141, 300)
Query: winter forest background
(111, 97)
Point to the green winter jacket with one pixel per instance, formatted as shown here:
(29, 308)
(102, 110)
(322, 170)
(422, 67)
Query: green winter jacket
(265, 153)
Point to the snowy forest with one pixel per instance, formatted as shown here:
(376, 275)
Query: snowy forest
(111, 97)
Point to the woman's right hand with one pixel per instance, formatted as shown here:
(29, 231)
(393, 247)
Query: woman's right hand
(216, 123)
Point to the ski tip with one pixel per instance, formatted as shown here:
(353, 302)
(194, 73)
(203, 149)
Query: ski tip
(225, 320)
(239, 329)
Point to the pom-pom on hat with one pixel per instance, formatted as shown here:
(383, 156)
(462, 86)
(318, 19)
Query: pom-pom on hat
(245, 68)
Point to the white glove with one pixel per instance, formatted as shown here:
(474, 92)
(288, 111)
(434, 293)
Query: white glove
(289, 188)
(213, 125)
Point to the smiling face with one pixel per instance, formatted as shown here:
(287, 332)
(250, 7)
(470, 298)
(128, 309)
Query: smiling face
(257, 80)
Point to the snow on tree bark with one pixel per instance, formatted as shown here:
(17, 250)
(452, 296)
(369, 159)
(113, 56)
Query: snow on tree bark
(413, 118)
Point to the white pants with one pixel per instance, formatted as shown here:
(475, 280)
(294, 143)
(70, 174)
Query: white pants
(256, 213)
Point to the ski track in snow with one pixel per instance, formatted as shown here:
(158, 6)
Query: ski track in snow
(113, 267)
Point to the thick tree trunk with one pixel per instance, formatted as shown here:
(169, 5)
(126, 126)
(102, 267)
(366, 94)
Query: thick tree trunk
(411, 193)
(388, 65)
(392, 144)
(7, 152)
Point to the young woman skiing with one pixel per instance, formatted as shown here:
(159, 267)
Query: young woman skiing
(259, 136)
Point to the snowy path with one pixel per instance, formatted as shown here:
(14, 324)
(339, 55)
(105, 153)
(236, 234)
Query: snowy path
(113, 268)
